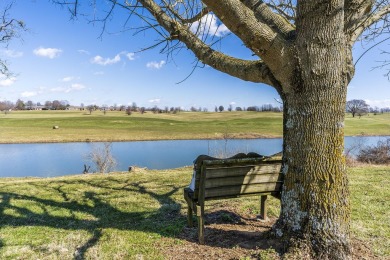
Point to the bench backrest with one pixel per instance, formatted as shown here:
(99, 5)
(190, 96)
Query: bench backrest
(229, 178)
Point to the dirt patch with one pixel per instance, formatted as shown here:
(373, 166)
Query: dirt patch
(231, 236)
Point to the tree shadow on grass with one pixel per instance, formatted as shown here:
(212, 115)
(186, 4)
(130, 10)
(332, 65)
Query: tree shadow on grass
(165, 219)
(224, 229)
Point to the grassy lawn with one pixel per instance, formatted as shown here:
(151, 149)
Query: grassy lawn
(139, 215)
(37, 126)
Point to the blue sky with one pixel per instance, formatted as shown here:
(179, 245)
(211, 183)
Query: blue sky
(65, 59)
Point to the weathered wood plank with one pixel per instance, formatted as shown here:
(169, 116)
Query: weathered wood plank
(238, 190)
(242, 170)
(242, 180)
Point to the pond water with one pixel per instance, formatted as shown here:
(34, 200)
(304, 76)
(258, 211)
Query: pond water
(49, 160)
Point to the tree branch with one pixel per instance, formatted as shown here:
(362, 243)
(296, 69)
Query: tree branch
(264, 14)
(269, 45)
(365, 17)
(9, 29)
(255, 71)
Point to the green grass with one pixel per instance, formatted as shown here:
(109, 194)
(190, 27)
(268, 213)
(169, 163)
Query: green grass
(36, 126)
(135, 215)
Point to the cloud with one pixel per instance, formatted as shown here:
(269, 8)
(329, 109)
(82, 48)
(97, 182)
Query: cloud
(154, 101)
(155, 64)
(12, 53)
(209, 25)
(67, 79)
(77, 86)
(232, 103)
(378, 103)
(73, 87)
(50, 53)
(84, 52)
(6, 82)
(105, 61)
(109, 61)
(130, 56)
(29, 94)
(98, 73)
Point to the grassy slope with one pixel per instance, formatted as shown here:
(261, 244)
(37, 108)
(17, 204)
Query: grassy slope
(36, 126)
(126, 215)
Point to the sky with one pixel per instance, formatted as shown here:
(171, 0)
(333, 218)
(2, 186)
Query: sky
(60, 58)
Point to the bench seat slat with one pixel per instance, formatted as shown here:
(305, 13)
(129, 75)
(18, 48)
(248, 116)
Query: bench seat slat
(229, 191)
(242, 180)
(222, 172)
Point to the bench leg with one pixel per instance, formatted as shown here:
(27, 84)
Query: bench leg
(190, 222)
(263, 207)
(201, 226)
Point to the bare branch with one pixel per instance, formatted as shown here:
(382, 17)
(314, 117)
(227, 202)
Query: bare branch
(284, 8)
(9, 29)
(368, 18)
(255, 71)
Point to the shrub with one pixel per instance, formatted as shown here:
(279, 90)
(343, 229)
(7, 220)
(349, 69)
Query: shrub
(379, 154)
(102, 158)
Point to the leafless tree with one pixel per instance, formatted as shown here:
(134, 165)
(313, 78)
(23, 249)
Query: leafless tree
(356, 107)
(10, 28)
(101, 157)
(301, 48)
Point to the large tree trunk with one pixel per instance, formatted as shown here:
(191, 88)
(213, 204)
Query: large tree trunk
(315, 199)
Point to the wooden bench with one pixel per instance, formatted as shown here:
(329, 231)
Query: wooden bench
(241, 175)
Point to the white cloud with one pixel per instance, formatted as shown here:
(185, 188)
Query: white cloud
(50, 53)
(109, 61)
(98, 73)
(232, 103)
(84, 52)
(12, 53)
(67, 79)
(378, 103)
(155, 64)
(6, 82)
(209, 25)
(155, 101)
(106, 61)
(130, 55)
(77, 86)
(29, 94)
(73, 87)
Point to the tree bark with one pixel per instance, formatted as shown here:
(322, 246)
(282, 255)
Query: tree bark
(315, 199)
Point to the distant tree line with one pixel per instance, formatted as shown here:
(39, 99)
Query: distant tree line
(359, 107)
(356, 107)
(30, 105)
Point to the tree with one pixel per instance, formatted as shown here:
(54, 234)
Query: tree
(101, 157)
(128, 110)
(19, 105)
(221, 108)
(48, 104)
(30, 105)
(10, 28)
(303, 49)
(90, 108)
(357, 106)
(134, 107)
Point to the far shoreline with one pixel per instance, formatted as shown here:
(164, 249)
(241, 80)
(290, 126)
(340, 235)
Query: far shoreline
(250, 137)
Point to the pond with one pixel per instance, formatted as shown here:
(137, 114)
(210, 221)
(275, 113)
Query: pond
(49, 160)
